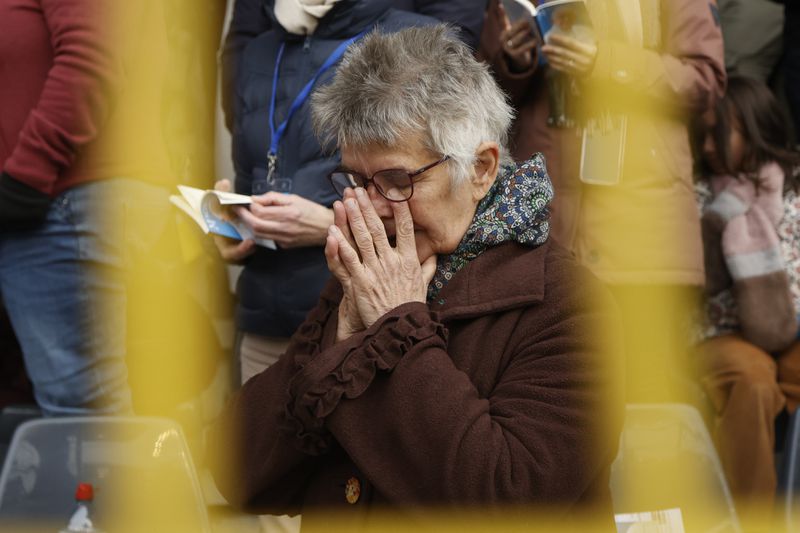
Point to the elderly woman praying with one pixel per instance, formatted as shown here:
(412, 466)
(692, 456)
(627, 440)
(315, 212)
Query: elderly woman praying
(454, 359)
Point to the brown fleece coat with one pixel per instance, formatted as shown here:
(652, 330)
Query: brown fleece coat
(501, 392)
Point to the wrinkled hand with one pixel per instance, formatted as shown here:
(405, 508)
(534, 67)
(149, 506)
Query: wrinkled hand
(375, 276)
(570, 56)
(231, 250)
(290, 220)
(349, 318)
(518, 43)
(350, 321)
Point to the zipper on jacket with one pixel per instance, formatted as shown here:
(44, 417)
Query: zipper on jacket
(307, 43)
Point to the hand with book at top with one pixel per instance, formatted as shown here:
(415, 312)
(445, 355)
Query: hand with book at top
(570, 55)
(517, 39)
(232, 251)
(288, 219)
(569, 42)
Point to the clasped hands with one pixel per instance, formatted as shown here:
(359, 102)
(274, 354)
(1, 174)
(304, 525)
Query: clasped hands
(376, 277)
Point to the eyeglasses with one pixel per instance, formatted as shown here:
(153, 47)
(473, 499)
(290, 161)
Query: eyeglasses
(394, 184)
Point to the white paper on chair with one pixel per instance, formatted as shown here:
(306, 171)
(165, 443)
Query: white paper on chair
(665, 521)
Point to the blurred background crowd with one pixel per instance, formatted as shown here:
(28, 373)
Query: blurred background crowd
(667, 127)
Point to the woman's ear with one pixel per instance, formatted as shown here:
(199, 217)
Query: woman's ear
(487, 164)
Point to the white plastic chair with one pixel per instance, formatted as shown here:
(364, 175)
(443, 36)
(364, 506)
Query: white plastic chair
(140, 468)
(667, 460)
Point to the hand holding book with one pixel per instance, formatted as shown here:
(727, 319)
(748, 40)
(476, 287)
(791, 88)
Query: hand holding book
(518, 39)
(288, 219)
(570, 43)
(239, 223)
(569, 55)
(215, 213)
(231, 250)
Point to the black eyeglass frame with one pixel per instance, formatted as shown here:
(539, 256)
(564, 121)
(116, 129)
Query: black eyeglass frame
(368, 180)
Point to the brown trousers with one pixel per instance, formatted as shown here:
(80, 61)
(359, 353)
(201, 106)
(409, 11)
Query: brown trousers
(748, 388)
(257, 353)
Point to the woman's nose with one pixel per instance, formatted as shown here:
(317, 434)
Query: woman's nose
(380, 203)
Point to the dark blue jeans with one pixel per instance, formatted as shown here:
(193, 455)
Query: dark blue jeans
(63, 289)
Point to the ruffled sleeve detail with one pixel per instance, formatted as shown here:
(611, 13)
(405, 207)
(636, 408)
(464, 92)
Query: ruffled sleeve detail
(347, 369)
(307, 340)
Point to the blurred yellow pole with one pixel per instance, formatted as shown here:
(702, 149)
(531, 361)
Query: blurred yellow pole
(177, 298)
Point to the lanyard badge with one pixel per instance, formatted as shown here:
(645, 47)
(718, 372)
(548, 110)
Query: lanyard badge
(272, 161)
(270, 181)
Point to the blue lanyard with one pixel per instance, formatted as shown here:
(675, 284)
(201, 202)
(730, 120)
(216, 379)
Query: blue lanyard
(276, 134)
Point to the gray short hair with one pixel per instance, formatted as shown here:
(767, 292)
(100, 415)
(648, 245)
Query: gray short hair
(416, 81)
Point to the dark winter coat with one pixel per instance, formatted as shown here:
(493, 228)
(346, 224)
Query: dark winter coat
(278, 287)
(501, 392)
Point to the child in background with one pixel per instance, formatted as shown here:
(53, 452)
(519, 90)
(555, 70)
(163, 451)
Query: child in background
(750, 353)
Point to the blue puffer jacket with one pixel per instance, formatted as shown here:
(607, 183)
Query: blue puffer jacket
(278, 288)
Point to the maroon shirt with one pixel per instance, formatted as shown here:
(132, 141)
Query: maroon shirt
(56, 75)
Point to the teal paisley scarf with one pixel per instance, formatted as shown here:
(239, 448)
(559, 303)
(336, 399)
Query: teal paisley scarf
(515, 209)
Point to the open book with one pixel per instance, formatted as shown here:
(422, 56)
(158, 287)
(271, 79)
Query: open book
(556, 17)
(211, 211)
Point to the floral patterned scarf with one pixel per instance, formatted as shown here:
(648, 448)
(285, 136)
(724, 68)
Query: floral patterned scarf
(515, 209)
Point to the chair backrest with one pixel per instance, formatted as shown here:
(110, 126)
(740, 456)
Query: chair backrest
(140, 468)
(788, 500)
(11, 417)
(667, 460)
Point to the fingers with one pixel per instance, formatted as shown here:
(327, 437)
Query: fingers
(275, 198)
(554, 39)
(518, 43)
(273, 212)
(360, 232)
(347, 256)
(340, 220)
(250, 219)
(562, 54)
(501, 10)
(335, 264)
(573, 45)
(223, 185)
(527, 47)
(234, 251)
(517, 34)
(404, 228)
(520, 31)
(570, 55)
(243, 249)
(374, 224)
(566, 66)
(556, 63)
(567, 61)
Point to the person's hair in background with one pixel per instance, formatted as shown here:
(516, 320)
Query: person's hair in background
(749, 129)
(416, 89)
